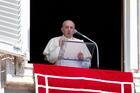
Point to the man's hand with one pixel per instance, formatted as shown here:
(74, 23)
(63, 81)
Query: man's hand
(80, 56)
(61, 41)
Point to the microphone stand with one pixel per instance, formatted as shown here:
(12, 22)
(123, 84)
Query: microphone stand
(94, 44)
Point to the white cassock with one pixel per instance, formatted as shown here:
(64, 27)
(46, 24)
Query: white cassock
(68, 53)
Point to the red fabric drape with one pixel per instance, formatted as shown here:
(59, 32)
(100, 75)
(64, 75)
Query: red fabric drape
(60, 79)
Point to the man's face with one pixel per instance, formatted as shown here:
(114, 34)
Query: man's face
(68, 29)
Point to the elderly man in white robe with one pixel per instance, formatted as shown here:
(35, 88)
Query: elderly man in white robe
(54, 50)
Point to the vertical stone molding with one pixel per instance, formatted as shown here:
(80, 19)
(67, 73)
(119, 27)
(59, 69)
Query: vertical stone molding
(139, 34)
(10, 66)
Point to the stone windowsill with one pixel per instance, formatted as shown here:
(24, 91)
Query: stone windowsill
(20, 83)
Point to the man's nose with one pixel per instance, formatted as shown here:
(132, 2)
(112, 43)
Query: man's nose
(69, 28)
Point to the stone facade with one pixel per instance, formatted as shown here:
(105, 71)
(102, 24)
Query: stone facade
(136, 73)
(16, 74)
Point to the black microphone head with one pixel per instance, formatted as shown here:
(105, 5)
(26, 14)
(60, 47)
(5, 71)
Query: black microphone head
(76, 32)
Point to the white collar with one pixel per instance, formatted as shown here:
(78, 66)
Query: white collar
(68, 38)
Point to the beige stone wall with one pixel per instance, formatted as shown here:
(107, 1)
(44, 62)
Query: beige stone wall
(139, 32)
(136, 76)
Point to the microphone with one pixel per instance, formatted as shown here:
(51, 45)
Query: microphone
(77, 32)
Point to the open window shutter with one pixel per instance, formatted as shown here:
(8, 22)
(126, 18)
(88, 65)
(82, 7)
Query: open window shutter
(10, 29)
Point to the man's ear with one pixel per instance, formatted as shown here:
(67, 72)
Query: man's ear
(62, 30)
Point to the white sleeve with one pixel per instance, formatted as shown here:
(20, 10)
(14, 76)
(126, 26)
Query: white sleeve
(52, 50)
